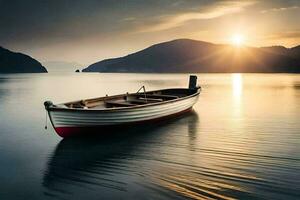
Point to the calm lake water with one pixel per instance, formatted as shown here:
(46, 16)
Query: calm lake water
(242, 141)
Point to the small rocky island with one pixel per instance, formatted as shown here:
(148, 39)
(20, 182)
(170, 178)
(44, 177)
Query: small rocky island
(12, 62)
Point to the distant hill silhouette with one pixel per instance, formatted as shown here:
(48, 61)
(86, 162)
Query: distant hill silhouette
(185, 55)
(11, 62)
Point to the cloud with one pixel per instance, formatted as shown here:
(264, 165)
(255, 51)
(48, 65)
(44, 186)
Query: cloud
(218, 10)
(280, 9)
(128, 19)
(285, 35)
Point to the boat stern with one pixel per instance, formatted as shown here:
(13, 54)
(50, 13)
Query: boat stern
(193, 83)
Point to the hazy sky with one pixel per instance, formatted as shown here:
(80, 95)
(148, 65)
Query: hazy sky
(91, 30)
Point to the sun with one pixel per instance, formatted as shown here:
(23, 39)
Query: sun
(237, 40)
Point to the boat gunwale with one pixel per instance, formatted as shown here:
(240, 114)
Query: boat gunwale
(125, 108)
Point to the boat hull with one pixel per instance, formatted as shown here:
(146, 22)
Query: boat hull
(106, 129)
(68, 122)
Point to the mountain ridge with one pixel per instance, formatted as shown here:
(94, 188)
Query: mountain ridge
(187, 55)
(15, 62)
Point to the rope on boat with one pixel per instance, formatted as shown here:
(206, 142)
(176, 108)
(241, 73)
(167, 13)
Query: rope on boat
(46, 120)
(47, 105)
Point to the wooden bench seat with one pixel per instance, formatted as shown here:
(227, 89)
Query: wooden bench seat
(119, 103)
(151, 99)
(90, 104)
(144, 101)
(156, 96)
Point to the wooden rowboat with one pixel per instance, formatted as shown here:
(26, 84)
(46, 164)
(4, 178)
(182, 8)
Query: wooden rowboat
(94, 115)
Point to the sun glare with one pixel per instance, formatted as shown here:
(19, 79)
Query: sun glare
(238, 40)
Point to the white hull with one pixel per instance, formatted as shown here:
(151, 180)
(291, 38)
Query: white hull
(84, 118)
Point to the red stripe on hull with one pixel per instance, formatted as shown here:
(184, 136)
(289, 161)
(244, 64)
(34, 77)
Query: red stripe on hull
(75, 131)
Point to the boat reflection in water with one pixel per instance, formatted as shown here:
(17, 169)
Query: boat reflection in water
(124, 165)
(178, 159)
